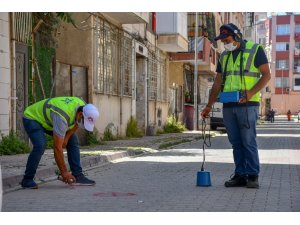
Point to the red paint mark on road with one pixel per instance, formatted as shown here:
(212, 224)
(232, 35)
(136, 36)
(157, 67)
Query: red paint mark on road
(113, 194)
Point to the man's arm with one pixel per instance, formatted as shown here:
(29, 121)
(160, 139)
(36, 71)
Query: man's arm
(59, 158)
(215, 90)
(69, 134)
(60, 128)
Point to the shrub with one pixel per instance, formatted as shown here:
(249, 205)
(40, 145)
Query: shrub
(108, 136)
(12, 144)
(92, 138)
(173, 126)
(132, 129)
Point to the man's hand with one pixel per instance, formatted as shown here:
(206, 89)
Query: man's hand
(205, 112)
(68, 178)
(247, 95)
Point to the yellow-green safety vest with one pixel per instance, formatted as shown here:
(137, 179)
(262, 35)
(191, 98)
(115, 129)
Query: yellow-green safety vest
(251, 74)
(64, 106)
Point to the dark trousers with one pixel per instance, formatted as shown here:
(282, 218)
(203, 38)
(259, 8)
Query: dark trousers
(37, 137)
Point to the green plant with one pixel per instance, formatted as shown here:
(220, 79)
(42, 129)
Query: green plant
(92, 138)
(12, 144)
(170, 144)
(108, 136)
(132, 128)
(173, 126)
(159, 132)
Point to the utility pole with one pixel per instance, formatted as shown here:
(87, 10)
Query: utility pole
(196, 74)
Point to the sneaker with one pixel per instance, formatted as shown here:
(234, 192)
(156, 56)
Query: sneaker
(236, 181)
(82, 180)
(29, 183)
(252, 181)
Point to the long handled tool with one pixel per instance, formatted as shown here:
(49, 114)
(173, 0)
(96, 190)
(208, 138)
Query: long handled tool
(203, 177)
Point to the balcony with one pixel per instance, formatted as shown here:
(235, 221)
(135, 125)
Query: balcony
(172, 43)
(127, 17)
(206, 56)
(172, 31)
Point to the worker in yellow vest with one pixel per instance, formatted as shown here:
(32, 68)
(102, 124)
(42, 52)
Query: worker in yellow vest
(59, 117)
(242, 71)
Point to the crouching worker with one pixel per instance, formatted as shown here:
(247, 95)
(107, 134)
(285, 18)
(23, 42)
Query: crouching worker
(59, 117)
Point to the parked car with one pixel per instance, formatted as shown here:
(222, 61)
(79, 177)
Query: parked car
(216, 117)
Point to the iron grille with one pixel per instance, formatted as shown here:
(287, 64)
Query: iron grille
(22, 26)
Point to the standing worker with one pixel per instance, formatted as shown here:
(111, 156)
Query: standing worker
(239, 71)
(59, 117)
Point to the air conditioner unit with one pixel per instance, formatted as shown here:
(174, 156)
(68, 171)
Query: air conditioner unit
(297, 51)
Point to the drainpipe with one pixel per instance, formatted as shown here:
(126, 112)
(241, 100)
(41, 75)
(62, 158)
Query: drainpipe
(13, 98)
(133, 84)
(121, 96)
(146, 94)
(196, 74)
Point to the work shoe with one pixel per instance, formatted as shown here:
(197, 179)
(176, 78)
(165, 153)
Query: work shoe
(236, 181)
(82, 180)
(29, 183)
(252, 181)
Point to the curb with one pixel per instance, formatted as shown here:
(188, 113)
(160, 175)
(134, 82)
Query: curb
(12, 183)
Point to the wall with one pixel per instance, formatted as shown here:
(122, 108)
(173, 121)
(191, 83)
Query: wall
(5, 81)
(109, 109)
(75, 46)
(176, 77)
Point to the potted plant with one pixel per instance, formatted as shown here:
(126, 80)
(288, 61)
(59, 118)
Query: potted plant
(187, 96)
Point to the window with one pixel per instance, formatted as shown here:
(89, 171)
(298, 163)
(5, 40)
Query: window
(297, 81)
(282, 46)
(282, 64)
(157, 76)
(126, 66)
(283, 29)
(297, 45)
(107, 63)
(281, 80)
(297, 66)
(297, 28)
(248, 32)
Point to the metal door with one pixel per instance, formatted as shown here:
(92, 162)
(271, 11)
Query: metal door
(21, 87)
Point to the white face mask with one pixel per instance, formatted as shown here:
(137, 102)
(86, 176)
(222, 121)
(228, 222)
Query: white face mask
(80, 123)
(230, 47)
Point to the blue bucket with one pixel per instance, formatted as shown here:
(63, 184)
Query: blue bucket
(203, 179)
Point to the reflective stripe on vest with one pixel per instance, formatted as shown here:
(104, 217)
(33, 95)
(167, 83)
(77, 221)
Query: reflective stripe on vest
(61, 112)
(237, 73)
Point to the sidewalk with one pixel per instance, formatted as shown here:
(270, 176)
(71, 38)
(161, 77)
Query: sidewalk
(13, 166)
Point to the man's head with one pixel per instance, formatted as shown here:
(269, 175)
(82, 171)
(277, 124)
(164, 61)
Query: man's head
(231, 36)
(87, 116)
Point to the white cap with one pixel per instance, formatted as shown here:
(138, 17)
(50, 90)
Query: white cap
(90, 115)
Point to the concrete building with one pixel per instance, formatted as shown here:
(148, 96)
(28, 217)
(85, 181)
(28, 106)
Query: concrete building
(285, 63)
(126, 72)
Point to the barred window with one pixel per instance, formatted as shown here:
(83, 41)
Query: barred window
(107, 66)
(157, 76)
(153, 72)
(126, 65)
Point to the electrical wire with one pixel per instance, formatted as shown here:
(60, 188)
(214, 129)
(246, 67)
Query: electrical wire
(203, 129)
